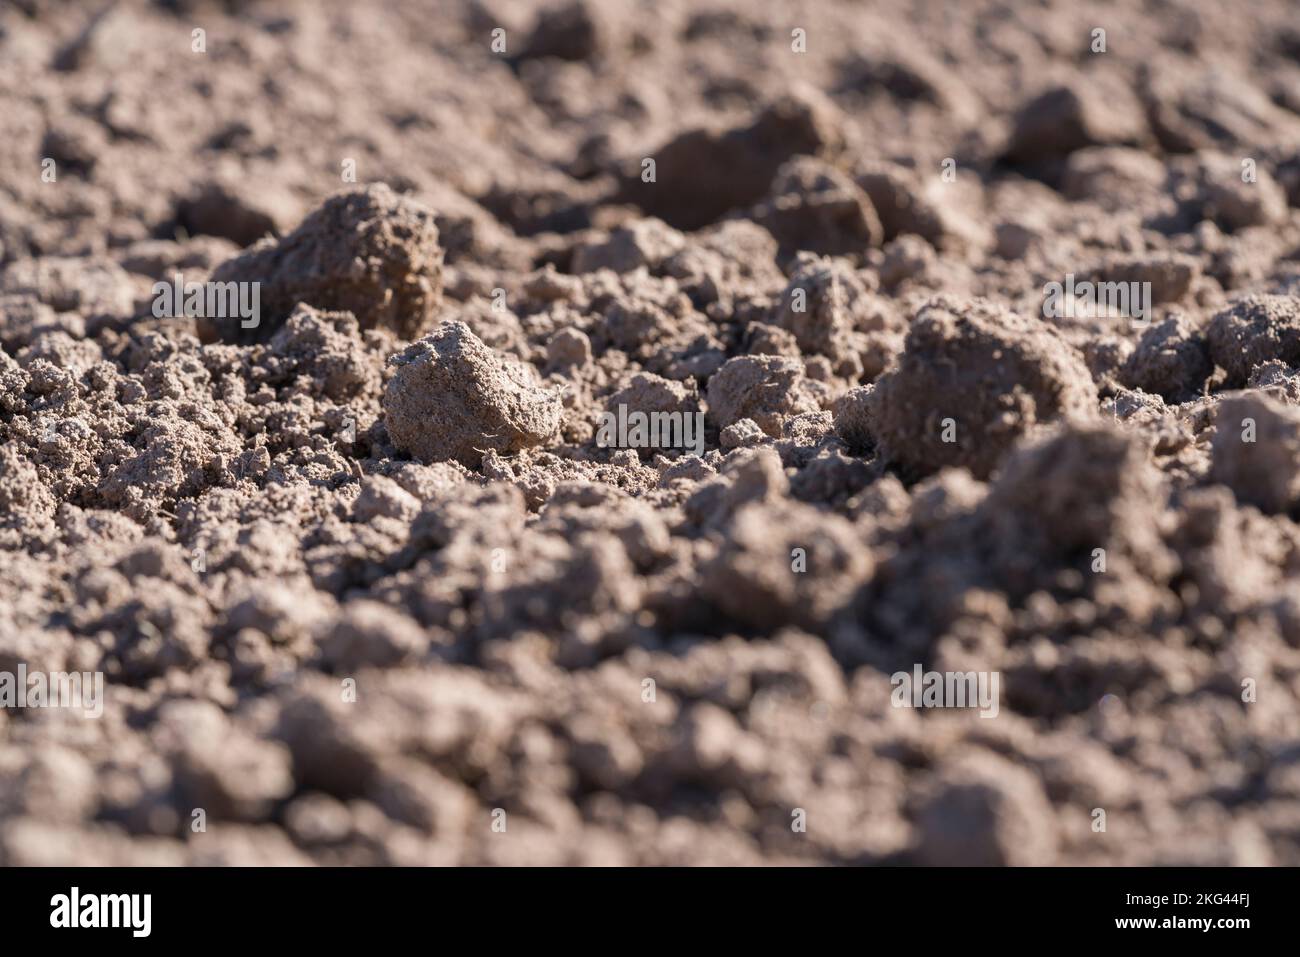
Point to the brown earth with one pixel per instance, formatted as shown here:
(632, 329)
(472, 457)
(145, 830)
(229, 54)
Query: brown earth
(366, 588)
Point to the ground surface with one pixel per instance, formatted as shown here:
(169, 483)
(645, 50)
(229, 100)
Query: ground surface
(366, 589)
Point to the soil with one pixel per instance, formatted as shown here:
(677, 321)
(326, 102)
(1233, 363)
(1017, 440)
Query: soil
(364, 585)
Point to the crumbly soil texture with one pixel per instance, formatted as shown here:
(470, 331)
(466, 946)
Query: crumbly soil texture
(365, 585)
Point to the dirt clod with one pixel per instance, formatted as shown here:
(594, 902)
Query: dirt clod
(987, 376)
(368, 251)
(451, 397)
